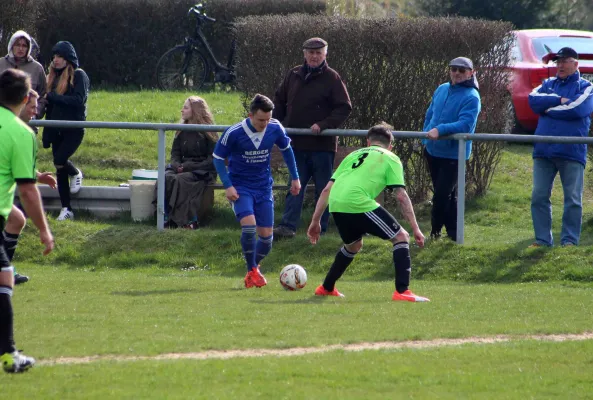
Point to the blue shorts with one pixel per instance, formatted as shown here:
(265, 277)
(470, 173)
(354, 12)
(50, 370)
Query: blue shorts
(259, 203)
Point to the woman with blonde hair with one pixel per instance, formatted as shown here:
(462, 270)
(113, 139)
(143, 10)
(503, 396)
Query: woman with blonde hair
(68, 90)
(191, 168)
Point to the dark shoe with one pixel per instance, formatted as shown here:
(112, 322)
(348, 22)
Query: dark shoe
(284, 232)
(18, 279)
(192, 225)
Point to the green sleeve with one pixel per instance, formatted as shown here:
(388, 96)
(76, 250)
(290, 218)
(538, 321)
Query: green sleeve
(24, 155)
(394, 175)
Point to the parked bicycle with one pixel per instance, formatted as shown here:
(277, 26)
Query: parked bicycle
(189, 65)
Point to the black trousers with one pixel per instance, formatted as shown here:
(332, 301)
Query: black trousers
(443, 172)
(64, 144)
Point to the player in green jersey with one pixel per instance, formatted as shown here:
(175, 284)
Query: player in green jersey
(17, 168)
(351, 194)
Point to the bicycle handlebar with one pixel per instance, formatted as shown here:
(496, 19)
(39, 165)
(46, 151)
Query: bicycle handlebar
(198, 11)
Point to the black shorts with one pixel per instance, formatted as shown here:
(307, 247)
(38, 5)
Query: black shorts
(378, 222)
(4, 261)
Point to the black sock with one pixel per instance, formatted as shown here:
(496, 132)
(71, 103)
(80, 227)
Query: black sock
(10, 242)
(341, 262)
(64, 187)
(6, 321)
(403, 266)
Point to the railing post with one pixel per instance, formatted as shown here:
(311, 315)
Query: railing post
(460, 191)
(160, 207)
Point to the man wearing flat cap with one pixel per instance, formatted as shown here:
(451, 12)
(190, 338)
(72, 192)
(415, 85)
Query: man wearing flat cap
(454, 108)
(564, 104)
(311, 96)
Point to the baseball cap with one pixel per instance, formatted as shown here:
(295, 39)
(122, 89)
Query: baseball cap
(462, 62)
(566, 52)
(314, 43)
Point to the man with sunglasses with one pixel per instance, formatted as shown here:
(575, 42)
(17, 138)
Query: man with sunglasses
(564, 105)
(454, 108)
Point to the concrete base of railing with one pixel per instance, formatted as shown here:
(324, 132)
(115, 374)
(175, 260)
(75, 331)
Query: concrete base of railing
(102, 201)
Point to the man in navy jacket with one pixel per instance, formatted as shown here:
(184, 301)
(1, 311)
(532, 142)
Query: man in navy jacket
(454, 109)
(564, 105)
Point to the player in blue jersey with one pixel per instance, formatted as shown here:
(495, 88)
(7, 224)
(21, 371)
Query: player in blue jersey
(248, 182)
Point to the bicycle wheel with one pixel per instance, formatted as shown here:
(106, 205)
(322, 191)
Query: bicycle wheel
(181, 68)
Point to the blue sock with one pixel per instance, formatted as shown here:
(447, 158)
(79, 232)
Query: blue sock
(263, 247)
(248, 245)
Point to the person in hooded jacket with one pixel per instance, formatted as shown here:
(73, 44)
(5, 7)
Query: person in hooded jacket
(20, 56)
(454, 108)
(68, 89)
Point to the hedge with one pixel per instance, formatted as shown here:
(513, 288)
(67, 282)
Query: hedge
(119, 41)
(391, 68)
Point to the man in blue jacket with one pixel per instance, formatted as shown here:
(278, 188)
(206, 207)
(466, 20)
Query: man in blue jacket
(454, 109)
(564, 105)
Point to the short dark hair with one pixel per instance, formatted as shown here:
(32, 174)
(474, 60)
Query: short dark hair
(381, 133)
(14, 87)
(260, 102)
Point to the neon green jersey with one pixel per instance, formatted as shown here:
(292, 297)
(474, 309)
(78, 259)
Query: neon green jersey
(18, 153)
(361, 177)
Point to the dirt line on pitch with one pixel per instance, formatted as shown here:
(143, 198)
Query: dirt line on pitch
(298, 351)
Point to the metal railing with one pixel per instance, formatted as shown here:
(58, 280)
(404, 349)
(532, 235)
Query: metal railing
(462, 138)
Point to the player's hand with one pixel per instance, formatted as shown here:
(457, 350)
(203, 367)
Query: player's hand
(48, 240)
(295, 187)
(231, 193)
(419, 236)
(47, 178)
(314, 232)
(564, 100)
(433, 134)
(180, 169)
(316, 129)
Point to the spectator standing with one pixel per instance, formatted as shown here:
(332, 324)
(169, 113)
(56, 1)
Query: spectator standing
(20, 56)
(454, 108)
(17, 165)
(564, 105)
(191, 167)
(247, 146)
(68, 89)
(313, 96)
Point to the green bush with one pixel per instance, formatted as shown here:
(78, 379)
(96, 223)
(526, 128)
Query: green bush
(120, 41)
(391, 68)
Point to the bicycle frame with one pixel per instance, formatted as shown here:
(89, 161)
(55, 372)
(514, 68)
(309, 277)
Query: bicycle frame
(199, 38)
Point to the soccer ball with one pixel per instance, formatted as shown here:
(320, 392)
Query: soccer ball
(293, 277)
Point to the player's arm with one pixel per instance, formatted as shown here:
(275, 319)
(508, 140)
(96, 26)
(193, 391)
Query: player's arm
(221, 152)
(295, 184)
(314, 230)
(406, 208)
(31, 200)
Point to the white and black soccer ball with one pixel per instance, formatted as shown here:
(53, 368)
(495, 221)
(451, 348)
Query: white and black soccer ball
(293, 277)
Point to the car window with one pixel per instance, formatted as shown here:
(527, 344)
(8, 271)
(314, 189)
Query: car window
(582, 45)
(516, 52)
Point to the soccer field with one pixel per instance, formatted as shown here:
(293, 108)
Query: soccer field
(149, 333)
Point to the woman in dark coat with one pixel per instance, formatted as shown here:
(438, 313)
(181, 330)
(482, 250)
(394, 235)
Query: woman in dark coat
(68, 89)
(191, 168)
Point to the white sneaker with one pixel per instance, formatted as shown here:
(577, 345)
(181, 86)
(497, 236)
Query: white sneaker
(16, 362)
(76, 182)
(65, 214)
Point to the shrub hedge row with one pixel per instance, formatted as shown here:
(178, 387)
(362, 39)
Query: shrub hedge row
(120, 41)
(391, 68)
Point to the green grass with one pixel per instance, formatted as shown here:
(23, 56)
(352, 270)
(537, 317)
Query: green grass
(114, 287)
(108, 156)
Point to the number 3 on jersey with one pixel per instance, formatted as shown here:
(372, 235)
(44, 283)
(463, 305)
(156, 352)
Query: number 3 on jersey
(360, 160)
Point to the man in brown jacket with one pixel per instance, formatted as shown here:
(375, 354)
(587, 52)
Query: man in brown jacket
(312, 96)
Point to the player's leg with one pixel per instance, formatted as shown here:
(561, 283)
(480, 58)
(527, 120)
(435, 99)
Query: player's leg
(264, 217)
(349, 227)
(243, 208)
(10, 358)
(14, 226)
(384, 225)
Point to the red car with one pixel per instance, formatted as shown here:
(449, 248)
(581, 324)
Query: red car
(532, 54)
